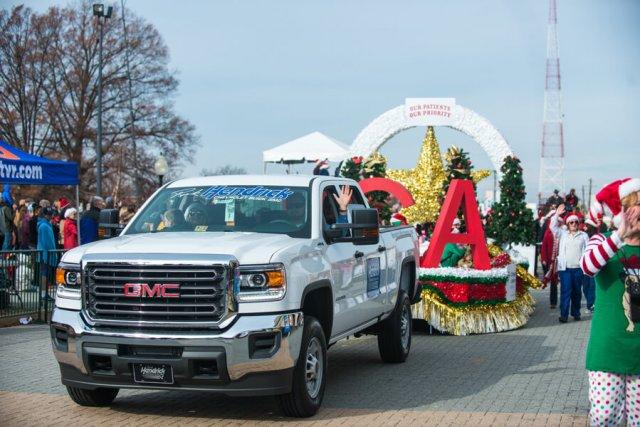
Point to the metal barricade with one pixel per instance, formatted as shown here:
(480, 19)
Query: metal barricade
(27, 283)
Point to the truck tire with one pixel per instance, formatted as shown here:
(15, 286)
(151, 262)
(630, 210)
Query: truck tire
(394, 339)
(309, 375)
(97, 397)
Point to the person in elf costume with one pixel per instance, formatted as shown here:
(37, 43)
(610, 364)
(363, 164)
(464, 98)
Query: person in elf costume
(613, 353)
(397, 218)
(453, 252)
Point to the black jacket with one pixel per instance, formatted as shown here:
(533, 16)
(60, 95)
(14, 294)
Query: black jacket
(33, 231)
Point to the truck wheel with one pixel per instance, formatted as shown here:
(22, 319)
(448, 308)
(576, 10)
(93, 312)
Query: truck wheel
(97, 397)
(309, 375)
(394, 339)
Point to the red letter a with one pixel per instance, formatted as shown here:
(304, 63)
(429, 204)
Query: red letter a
(459, 190)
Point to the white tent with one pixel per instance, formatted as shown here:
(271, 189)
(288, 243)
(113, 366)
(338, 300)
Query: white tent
(308, 148)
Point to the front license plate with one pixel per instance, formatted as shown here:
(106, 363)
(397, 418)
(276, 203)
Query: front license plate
(152, 373)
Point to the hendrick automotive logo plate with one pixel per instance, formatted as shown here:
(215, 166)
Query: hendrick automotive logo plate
(152, 373)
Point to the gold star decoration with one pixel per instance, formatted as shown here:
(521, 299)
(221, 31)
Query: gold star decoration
(424, 182)
(480, 174)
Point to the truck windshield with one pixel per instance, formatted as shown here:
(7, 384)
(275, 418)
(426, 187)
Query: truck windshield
(253, 208)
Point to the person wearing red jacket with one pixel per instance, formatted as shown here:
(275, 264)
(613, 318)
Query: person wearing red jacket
(70, 240)
(548, 255)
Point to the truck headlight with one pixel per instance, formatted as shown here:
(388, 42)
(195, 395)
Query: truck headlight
(263, 282)
(69, 281)
(68, 277)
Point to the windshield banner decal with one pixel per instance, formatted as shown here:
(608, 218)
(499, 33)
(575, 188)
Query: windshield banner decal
(253, 193)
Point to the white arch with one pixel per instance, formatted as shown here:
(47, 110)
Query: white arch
(392, 122)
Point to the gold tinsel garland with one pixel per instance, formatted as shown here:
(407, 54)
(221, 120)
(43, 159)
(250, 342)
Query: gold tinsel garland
(528, 279)
(481, 319)
(484, 319)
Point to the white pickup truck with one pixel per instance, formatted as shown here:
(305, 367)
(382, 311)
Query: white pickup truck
(234, 284)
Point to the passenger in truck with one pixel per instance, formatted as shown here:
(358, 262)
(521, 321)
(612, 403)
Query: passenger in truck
(195, 215)
(296, 209)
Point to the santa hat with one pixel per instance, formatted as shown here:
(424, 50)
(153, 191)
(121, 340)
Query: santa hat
(399, 218)
(607, 201)
(591, 223)
(63, 202)
(572, 217)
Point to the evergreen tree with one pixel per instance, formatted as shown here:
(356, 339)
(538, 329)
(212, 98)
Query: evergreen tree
(374, 166)
(511, 221)
(352, 168)
(458, 166)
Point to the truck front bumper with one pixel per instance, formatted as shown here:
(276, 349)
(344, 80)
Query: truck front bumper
(256, 355)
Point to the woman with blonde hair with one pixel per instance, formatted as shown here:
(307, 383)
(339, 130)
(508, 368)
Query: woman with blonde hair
(613, 354)
(21, 212)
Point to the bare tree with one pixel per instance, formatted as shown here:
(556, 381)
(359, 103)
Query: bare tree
(224, 170)
(24, 43)
(63, 80)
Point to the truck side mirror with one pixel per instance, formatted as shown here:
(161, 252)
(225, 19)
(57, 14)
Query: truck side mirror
(109, 224)
(364, 228)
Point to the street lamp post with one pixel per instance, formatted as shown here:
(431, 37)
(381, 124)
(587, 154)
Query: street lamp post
(495, 186)
(161, 168)
(99, 12)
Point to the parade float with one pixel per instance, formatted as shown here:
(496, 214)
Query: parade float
(487, 290)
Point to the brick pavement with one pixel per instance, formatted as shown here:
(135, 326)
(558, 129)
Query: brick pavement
(531, 376)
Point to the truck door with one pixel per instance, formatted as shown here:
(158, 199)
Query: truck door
(372, 264)
(346, 270)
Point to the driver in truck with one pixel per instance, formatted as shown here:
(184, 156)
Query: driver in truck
(296, 209)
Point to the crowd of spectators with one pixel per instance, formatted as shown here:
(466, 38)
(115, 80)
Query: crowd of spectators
(48, 229)
(29, 224)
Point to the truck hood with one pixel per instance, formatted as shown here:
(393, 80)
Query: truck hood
(248, 248)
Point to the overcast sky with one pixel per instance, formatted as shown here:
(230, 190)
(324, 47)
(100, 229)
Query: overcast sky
(255, 74)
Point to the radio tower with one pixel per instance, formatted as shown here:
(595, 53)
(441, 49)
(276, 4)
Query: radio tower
(552, 150)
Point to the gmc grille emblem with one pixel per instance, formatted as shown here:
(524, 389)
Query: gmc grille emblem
(158, 290)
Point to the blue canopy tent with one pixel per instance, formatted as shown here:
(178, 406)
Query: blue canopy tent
(19, 167)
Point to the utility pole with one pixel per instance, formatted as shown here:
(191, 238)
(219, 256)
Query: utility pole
(99, 12)
(589, 200)
(134, 143)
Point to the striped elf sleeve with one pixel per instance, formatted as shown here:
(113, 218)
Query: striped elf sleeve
(598, 251)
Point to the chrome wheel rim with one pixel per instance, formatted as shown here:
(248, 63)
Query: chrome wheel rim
(313, 368)
(405, 327)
